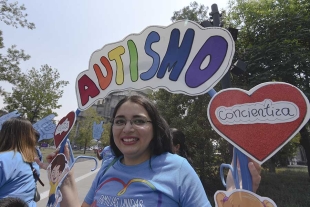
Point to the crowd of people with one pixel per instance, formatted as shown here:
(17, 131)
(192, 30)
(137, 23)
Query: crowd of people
(149, 164)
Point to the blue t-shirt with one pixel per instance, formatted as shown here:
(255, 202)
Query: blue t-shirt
(167, 180)
(16, 177)
(106, 153)
(39, 154)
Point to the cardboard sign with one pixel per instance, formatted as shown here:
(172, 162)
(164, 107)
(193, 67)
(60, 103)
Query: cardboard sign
(261, 121)
(56, 171)
(97, 130)
(241, 198)
(181, 58)
(8, 116)
(63, 128)
(45, 127)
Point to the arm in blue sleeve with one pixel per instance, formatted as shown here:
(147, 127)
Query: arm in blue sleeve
(2, 175)
(192, 193)
(91, 193)
(89, 198)
(39, 154)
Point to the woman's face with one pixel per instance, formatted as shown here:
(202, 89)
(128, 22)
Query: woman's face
(133, 139)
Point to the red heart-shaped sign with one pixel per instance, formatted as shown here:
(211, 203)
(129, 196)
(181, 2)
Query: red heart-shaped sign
(261, 121)
(63, 128)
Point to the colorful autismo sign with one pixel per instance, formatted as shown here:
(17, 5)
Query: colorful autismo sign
(181, 58)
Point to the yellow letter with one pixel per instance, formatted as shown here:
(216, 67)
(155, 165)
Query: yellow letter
(115, 54)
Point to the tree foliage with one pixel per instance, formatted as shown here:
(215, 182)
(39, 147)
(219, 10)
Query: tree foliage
(194, 12)
(9, 64)
(36, 93)
(82, 134)
(281, 158)
(105, 138)
(14, 15)
(274, 41)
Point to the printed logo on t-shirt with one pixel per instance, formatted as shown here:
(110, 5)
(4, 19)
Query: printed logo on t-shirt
(120, 199)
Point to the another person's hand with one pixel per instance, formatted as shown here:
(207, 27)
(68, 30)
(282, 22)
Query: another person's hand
(51, 156)
(255, 170)
(98, 155)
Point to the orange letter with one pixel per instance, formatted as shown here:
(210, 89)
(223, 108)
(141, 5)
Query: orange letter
(104, 82)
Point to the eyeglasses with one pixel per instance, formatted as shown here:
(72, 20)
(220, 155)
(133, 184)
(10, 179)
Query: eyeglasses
(138, 122)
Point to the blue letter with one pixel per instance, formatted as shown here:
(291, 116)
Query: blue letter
(151, 38)
(216, 48)
(176, 57)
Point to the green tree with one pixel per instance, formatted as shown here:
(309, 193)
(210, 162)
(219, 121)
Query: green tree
(14, 15)
(280, 159)
(84, 133)
(36, 94)
(274, 40)
(105, 137)
(194, 12)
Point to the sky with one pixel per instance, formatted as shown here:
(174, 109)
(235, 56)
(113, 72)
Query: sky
(68, 32)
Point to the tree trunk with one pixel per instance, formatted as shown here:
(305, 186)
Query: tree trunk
(34, 115)
(272, 165)
(85, 144)
(305, 142)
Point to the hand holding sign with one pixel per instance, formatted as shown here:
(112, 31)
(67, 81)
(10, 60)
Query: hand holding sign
(45, 127)
(258, 123)
(8, 116)
(97, 130)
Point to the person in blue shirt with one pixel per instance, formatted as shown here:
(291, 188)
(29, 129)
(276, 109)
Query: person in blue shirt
(144, 171)
(17, 152)
(105, 154)
(39, 153)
